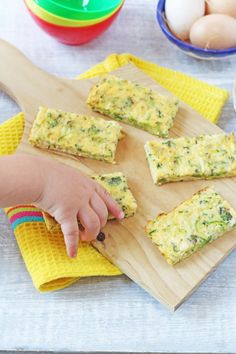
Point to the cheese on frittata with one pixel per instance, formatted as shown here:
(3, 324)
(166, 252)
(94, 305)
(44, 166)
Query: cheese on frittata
(116, 184)
(134, 104)
(75, 134)
(204, 156)
(192, 225)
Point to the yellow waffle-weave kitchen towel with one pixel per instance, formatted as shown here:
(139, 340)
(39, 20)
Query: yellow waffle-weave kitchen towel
(44, 253)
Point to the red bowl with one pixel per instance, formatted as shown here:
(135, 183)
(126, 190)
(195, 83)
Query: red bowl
(74, 35)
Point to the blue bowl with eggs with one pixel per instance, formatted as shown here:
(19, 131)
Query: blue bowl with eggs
(188, 48)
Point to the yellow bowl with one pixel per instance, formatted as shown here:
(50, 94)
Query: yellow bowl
(61, 21)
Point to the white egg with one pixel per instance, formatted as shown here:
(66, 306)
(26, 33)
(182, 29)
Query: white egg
(214, 31)
(181, 14)
(226, 7)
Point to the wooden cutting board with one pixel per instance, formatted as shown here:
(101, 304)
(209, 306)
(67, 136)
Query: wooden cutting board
(127, 246)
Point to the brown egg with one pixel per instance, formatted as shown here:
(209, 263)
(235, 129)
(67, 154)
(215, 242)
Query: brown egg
(214, 32)
(226, 7)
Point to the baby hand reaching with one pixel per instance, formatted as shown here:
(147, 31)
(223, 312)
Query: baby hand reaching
(62, 191)
(68, 195)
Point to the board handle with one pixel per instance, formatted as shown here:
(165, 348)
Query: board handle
(15, 71)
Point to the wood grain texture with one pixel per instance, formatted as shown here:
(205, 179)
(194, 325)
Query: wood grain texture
(127, 247)
(125, 318)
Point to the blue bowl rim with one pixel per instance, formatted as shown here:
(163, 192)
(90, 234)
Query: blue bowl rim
(183, 45)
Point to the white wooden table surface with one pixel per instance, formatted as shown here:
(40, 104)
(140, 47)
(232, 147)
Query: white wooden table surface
(110, 314)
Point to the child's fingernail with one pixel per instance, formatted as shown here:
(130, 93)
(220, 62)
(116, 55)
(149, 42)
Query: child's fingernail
(72, 253)
(121, 215)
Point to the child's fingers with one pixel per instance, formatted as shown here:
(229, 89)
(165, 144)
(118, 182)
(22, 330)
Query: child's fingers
(91, 223)
(100, 209)
(111, 204)
(70, 231)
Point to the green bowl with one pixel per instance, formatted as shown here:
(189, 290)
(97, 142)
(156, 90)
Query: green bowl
(63, 21)
(79, 9)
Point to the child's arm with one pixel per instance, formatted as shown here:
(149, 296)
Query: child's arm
(62, 191)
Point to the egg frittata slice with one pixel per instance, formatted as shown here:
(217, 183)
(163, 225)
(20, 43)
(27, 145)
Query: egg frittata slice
(200, 157)
(134, 104)
(192, 225)
(116, 184)
(75, 134)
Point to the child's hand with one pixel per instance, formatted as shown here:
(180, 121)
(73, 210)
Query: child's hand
(68, 195)
(62, 191)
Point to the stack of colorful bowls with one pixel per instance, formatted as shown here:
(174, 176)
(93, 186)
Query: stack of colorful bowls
(74, 22)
